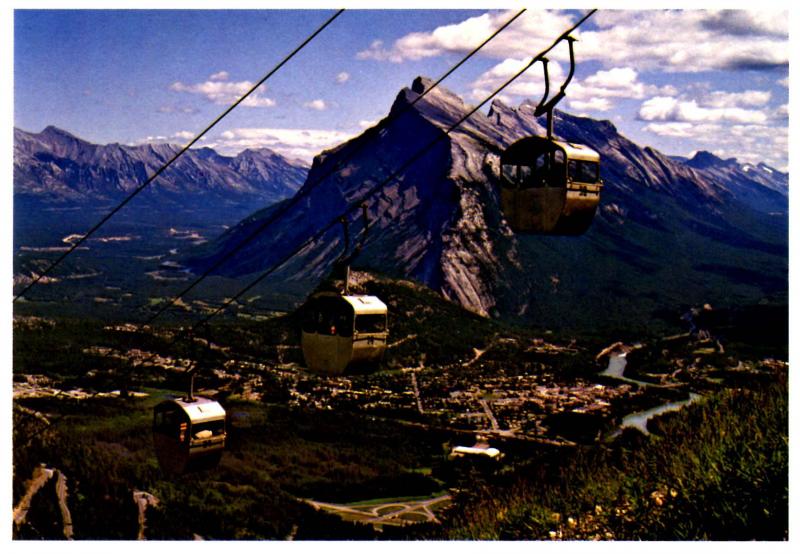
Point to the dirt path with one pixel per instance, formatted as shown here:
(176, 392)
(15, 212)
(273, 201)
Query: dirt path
(41, 475)
(398, 342)
(415, 388)
(61, 494)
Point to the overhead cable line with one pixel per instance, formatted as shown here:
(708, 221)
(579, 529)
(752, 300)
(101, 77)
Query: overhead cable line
(191, 143)
(289, 204)
(190, 332)
(377, 188)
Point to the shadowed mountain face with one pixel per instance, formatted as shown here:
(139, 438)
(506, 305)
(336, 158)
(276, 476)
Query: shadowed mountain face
(667, 233)
(55, 167)
(64, 185)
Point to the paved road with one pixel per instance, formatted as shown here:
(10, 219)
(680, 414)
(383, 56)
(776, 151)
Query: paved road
(402, 512)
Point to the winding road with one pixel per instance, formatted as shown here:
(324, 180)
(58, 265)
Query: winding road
(400, 512)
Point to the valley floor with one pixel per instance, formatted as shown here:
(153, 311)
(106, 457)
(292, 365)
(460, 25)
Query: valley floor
(314, 457)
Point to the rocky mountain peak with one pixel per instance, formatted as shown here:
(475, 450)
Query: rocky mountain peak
(439, 220)
(704, 159)
(53, 132)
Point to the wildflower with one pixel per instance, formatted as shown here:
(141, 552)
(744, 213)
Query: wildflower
(571, 522)
(556, 517)
(552, 535)
(673, 493)
(598, 509)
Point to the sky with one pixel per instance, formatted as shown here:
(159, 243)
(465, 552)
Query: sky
(677, 80)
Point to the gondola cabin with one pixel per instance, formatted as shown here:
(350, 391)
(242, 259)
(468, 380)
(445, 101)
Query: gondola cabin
(549, 186)
(188, 434)
(343, 332)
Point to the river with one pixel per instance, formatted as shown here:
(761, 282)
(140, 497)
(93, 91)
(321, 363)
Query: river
(616, 370)
(638, 420)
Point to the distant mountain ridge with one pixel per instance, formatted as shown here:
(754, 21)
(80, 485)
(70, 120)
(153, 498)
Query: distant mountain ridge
(666, 232)
(55, 166)
(760, 173)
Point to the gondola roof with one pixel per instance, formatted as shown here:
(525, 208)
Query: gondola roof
(363, 304)
(201, 410)
(523, 148)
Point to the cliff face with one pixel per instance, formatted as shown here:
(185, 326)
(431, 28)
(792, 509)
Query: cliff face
(664, 229)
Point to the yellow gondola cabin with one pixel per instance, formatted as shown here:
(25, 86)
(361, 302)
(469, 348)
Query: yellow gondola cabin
(189, 434)
(343, 332)
(549, 186)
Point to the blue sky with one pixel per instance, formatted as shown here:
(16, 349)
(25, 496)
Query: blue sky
(679, 81)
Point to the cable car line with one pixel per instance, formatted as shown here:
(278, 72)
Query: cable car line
(150, 179)
(292, 202)
(190, 433)
(191, 331)
(361, 200)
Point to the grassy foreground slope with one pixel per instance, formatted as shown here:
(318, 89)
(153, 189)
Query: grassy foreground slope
(717, 470)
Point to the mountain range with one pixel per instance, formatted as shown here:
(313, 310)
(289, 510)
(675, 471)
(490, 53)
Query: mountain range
(56, 167)
(668, 232)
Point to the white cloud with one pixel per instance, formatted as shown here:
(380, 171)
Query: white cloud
(746, 142)
(617, 83)
(529, 85)
(616, 78)
(317, 104)
(593, 93)
(667, 108)
(177, 109)
(732, 124)
(219, 76)
(342, 77)
(592, 104)
(225, 93)
(531, 32)
(688, 40)
(663, 40)
(184, 135)
(629, 45)
(720, 99)
(292, 143)
(178, 136)
(674, 129)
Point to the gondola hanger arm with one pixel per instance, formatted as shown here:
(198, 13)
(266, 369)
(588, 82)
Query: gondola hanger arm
(545, 107)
